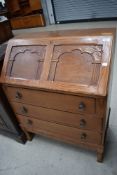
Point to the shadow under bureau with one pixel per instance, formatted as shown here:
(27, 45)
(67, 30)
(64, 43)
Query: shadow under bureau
(58, 84)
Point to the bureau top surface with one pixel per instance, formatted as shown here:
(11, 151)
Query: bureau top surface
(74, 61)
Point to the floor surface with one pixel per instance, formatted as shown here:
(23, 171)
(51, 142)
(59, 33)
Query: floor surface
(43, 156)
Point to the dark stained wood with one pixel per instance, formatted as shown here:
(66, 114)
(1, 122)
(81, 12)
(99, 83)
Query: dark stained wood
(5, 31)
(13, 6)
(23, 7)
(35, 5)
(25, 13)
(67, 96)
(36, 20)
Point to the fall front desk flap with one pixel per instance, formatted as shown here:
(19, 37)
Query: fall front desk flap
(74, 61)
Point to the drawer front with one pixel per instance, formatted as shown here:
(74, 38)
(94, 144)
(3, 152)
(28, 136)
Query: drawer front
(27, 21)
(48, 128)
(66, 118)
(70, 103)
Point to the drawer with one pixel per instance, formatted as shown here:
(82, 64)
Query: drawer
(27, 21)
(63, 102)
(66, 118)
(66, 132)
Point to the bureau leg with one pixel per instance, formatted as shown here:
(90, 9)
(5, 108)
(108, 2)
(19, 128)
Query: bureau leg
(28, 135)
(100, 152)
(22, 138)
(100, 157)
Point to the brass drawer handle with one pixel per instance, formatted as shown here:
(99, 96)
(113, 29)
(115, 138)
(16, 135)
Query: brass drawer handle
(24, 110)
(83, 136)
(82, 106)
(18, 95)
(82, 123)
(29, 122)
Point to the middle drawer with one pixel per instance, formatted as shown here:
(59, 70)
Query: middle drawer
(65, 118)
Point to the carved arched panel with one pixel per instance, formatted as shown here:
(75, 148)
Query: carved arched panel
(26, 62)
(76, 64)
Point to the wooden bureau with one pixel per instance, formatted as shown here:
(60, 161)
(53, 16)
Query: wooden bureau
(58, 84)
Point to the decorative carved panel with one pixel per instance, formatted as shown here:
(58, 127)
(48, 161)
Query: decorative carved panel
(26, 62)
(76, 64)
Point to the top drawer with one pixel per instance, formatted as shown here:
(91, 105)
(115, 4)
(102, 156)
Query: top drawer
(70, 103)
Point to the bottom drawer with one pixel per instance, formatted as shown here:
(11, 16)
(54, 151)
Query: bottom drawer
(59, 131)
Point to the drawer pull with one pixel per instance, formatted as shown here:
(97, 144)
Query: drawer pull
(18, 95)
(24, 110)
(29, 122)
(82, 106)
(82, 123)
(83, 136)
